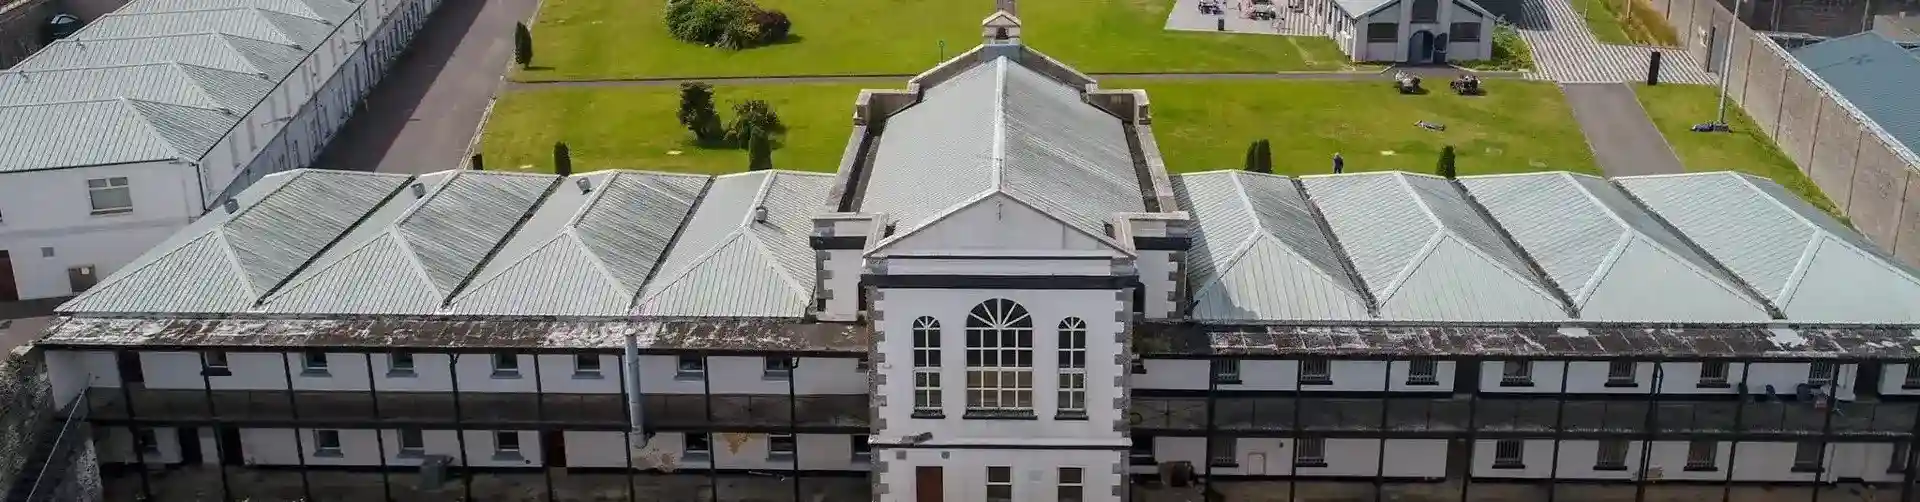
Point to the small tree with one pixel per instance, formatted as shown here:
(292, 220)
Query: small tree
(1260, 157)
(1266, 156)
(522, 45)
(696, 111)
(1445, 170)
(759, 153)
(751, 118)
(476, 163)
(562, 159)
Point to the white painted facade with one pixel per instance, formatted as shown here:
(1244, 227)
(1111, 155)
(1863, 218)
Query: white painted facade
(50, 234)
(1458, 31)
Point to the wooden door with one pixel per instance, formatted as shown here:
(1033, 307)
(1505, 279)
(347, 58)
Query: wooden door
(929, 484)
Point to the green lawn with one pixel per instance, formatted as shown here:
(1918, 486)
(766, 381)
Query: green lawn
(1639, 24)
(1675, 108)
(1517, 127)
(635, 128)
(1510, 52)
(613, 39)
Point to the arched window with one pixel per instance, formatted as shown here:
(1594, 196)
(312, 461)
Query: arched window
(999, 357)
(926, 366)
(1426, 11)
(1073, 366)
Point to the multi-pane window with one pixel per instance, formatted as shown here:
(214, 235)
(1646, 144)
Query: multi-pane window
(778, 368)
(1224, 452)
(586, 365)
(1226, 370)
(1426, 11)
(999, 357)
(1316, 372)
(1464, 32)
(1620, 373)
(1701, 455)
(1383, 32)
(326, 443)
(1806, 456)
(999, 484)
(1612, 455)
(780, 445)
(110, 195)
(691, 366)
(926, 366)
(1310, 452)
(1509, 454)
(1516, 373)
(1912, 380)
(1423, 372)
(1713, 373)
(1820, 373)
(1073, 367)
(1073, 482)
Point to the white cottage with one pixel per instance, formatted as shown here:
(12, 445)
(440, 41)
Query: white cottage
(1411, 31)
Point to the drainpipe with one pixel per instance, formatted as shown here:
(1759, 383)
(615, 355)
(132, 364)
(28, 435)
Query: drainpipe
(635, 411)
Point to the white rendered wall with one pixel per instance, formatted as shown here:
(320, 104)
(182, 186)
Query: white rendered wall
(1035, 472)
(1280, 374)
(1590, 377)
(1754, 461)
(51, 209)
(1406, 458)
(348, 372)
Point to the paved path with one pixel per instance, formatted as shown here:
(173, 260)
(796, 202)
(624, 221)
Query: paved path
(1432, 74)
(423, 115)
(1624, 141)
(1565, 50)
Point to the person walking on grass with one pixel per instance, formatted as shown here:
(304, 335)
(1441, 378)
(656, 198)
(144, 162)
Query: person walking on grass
(1339, 164)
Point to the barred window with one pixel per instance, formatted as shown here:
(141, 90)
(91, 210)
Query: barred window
(1310, 452)
(1713, 373)
(1316, 372)
(1509, 454)
(1620, 373)
(1700, 455)
(1073, 366)
(1423, 372)
(1517, 373)
(1226, 370)
(1612, 455)
(1821, 373)
(1806, 456)
(926, 365)
(999, 357)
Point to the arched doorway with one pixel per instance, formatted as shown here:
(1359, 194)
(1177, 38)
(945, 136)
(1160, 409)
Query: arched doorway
(1420, 47)
(1440, 49)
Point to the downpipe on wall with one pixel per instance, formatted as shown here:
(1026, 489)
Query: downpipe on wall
(635, 408)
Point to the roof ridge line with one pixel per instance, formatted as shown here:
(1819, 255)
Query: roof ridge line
(698, 261)
(315, 259)
(147, 122)
(998, 161)
(1261, 230)
(446, 301)
(1753, 293)
(785, 276)
(633, 302)
(1534, 275)
(233, 260)
(1354, 280)
(593, 199)
(391, 229)
(1614, 252)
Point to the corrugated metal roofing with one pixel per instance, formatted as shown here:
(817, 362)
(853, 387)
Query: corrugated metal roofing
(1258, 253)
(226, 262)
(1425, 253)
(726, 264)
(170, 83)
(82, 133)
(1876, 75)
(586, 253)
(258, 24)
(415, 264)
(1001, 127)
(1612, 259)
(211, 50)
(324, 10)
(1805, 262)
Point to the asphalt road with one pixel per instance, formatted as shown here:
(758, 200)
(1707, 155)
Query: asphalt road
(422, 116)
(1624, 141)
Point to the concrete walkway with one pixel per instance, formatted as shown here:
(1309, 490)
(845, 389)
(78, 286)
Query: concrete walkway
(423, 115)
(1624, 140)
(1565, 50)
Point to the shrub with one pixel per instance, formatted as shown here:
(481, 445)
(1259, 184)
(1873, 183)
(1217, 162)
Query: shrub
(759, 153)
(740, 34)
(702, 21)
(773, 25)
(751, 118)
(522, 45)
(1446, 169)
(696, 111)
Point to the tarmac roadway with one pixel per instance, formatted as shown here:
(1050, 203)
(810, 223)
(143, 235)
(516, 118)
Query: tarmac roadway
(423, 116)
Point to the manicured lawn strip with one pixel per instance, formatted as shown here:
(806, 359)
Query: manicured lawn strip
(616, 39)
(635, 128)
(1675, 108)
(1639, 25)
(1510, 52)
(1518, 127)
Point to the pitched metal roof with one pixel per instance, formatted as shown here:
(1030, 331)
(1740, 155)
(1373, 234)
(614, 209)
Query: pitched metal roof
(211, 50)
(322, 10)
(1258, 252)
(1809, 265)
(1002, 128)
(589, 248)
(1875, 75)
(1425, 253)
(258, 24)
(1615, 261)
(414, 263)
(727, 264)
(112, 131)
(170, 83)
(225, 262)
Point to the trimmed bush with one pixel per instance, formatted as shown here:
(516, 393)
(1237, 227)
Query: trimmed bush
(728, 24)
(752, 118)
(697, 113)
(773, 25)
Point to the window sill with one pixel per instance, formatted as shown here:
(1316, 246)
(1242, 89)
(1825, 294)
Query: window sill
(505, 375)
(1309, 464)
(928, 414)
(316, 373)
(1610, 467)
(1617, 385)
(781, 376)
(401, 374)
(780, 457)
(1714, 385)
(328, 453)
(1316, 381)
(1071, 415)
(1226, 381)
(1000, 415)
(214, 372)
(1808, 468)
(507, 456)
(1700, 468)
(1516, 383)
(1509, 465)
(690, 377)
(1422, 382)
(1910, 386)
(587, 375)
(1225, 464)
(111, 212)
(411, 453)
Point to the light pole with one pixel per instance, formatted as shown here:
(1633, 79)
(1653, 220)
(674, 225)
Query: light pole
(1726, 64)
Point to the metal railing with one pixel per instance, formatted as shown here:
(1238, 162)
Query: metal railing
(72, 434)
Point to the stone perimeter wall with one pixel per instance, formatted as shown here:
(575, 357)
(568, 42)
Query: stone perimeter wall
(1866, 174)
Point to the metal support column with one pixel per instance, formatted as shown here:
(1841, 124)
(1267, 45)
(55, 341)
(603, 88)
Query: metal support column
(1826, 429)
(1559, 435)
(133, 428)
(379, 435)
(793, 422)
(1380, 454)
(540, 418)
(1473, 437)
(293, 412)
(213, 414)
(625, 388)
(1651, 430)
(1739, 426)
(460, 430)
(706, 393)
(1213, 387)
(1299, 402)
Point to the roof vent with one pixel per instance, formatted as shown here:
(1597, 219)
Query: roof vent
(760, 214)
(585, 184)
(419, 190)
(231, 206)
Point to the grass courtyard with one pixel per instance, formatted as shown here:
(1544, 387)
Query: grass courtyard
(1675, 108)
(1626, 22)
(626, 39)
(1200, 125)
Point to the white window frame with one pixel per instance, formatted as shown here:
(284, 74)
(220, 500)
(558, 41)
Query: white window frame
(1516, 373)
(1623, 373)
(400, 363)
(1071, 485)
(999, 358)
(1703, 455)
(1310, 452)
(926, 367)
(1423, 372)
(775, 449)
(1714, 373)
(505, 364)
(321, 440)
(586, 365)
(999, 484)
(778, 368)
(1316, 372)
(1509, 454)
(1073, 367)
(98, 186)
(419, 440)
(701, 452)
(314, 362)
(506, 444)
(690, 367)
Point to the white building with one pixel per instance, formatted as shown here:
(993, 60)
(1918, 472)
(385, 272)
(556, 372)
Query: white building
(1003, 295)
(1411, 31)
(128, 130)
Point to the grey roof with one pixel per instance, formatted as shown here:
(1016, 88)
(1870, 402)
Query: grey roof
(258, 24)
(725, 264)
(322, 10)
(112, 131)
(587, 251)
(1808, 264)
(227, 262)
(416, 263)
(1425, 253)
(211, 50)
(1259, 253)
(1357, 8)
(1615, 261)
(171, 83)
(1875, 75)
(1002, 128)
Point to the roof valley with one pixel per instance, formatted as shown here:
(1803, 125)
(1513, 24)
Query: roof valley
(1354, 278)
(474, 273)
(1536, 275)
(660, 262)
(1745, 288)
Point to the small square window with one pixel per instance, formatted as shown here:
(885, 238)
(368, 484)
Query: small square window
(1225, 452)
(1516, 373)
(862, 364)
(1700, 455)
(1423, 372)
(1316, 372)
(400, 363)
(779, 446)
(999, 484)
(1226, 370)
(1611, 456)
(586, 365)
(692, 367)
(110, 195)
(1310, 452)
(506, 444)
(1621, 374)
(699, 446)
(1713, 374)
(1509, 454)
(862, 447)
(46, 252)
(778, 368)
(506, 365)
(1807, 456)
(1821, 373)
(216, 363)
(313, 362)
(326, 443)
(145, 440)
(412, 443)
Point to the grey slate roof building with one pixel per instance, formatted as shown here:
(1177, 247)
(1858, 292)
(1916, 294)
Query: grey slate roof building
(1875, 74)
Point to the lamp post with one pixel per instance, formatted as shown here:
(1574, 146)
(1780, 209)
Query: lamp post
(1726, 64)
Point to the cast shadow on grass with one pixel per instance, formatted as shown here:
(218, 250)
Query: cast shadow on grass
(792, 38)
